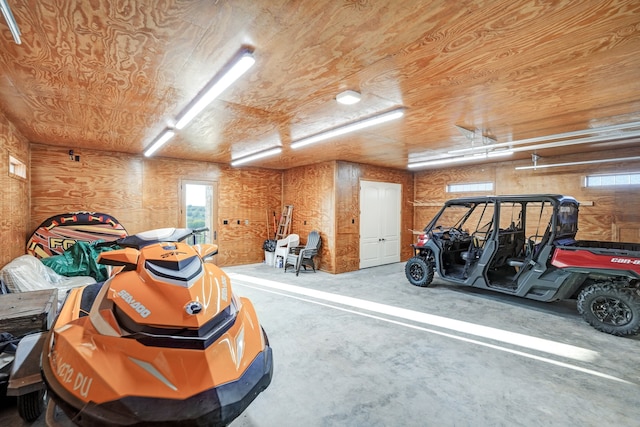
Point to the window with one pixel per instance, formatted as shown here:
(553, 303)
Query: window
(613, 180)
(470, 187)
(198, 207)
(17, 168)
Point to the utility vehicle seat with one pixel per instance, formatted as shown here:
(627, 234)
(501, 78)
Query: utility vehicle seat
(515, 262)
(471, 255)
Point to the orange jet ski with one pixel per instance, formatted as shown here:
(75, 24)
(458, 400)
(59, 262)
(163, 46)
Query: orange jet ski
(164, 341)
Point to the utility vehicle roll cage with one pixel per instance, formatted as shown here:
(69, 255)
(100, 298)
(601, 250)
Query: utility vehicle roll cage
(525, 246)
(510, 230)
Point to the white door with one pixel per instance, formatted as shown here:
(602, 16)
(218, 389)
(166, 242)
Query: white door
(379, 223)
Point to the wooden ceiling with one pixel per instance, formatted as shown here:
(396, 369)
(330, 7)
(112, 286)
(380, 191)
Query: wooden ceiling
(111, 75)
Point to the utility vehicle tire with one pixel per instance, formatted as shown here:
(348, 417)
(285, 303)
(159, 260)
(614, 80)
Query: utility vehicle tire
(419, 271)
(31, 405)
(610, 309)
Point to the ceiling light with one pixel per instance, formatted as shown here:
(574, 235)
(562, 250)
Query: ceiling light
(499, 153)
(584, 162)
(225, 78)
(350, 127)
(11, 22)
(460, 159)
(348, 97)
(578, 141)
(256, 156)
(446, 161)
(165, 136)
(563, 137)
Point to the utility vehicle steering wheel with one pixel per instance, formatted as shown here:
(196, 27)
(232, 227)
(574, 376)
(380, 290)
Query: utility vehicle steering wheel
(456, 235)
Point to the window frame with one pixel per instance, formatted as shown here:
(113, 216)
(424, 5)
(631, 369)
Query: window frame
(17, 168)
(612, 180)
(470, 187)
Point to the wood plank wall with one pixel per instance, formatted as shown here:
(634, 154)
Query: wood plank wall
(144, 194)
(14, 201)
(348, 177)
(310, 189)
(327, 197)
(608, 213)
(247, 195)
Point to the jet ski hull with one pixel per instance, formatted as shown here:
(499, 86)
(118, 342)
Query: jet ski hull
(163, 342)
(217, 406)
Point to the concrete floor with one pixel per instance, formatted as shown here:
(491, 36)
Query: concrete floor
(368, 349)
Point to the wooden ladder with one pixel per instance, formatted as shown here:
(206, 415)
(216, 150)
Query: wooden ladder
(284, 226)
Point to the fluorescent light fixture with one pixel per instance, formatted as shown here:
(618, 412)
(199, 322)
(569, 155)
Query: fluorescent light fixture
(11, 22)
(587, 140)
(225, 78)
(584, 162)
(460, 159)
(499, 153)
(162, 139)
(350, 127)
(348, 97)
(447, 160)
(256, 156)
(578, 141)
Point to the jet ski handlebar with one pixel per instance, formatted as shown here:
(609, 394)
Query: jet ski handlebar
(159, 235)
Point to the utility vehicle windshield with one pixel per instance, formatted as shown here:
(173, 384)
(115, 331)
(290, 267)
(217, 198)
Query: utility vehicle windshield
(470, 218)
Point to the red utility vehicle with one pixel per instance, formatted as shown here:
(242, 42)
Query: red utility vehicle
(525, 246)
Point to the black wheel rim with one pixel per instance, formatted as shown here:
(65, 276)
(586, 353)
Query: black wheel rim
(611, 311)
(416, 271)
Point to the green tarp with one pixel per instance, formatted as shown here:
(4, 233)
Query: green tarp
(79, 260)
